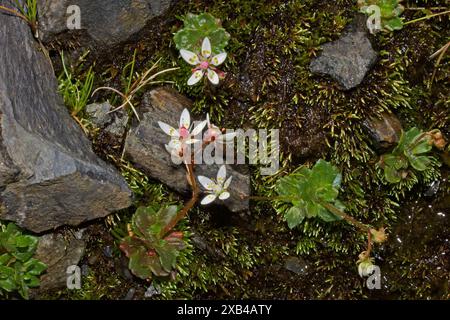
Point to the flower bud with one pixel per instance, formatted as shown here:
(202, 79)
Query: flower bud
(365, 268)
(365, 264)
(378, 236)
(440, 143)
(437, 135)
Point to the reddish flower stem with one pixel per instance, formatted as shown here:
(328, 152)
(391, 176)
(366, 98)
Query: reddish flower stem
(189, 205)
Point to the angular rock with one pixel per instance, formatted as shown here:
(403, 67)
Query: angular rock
(385, 132)
(145, 142)
(58, 252)
(296, 265)
(49, 175)
(348, 59)
(118, 126)
(106, 22)
(99, 113)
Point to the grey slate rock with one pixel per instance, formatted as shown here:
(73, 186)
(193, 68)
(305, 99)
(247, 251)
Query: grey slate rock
(58, 252)
(106, 22)
(49, 175)
(98, 113)
(348, 59)
(119, 125)
(145, 141)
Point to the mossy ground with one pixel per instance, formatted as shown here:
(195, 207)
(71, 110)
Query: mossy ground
(269, 85)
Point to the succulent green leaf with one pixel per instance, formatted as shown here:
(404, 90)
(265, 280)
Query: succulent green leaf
(327, 216)
(6, 272)
(148, 253)
(294, 216)
(420, 163)
(392, 175)
(422, 146)
(18, 269)
(410, 153)
(306, 188)
(168, 256)
(8, 285)
(394, 24)
(196, 28)
(35, 267)
(25, 241)
(140, 263)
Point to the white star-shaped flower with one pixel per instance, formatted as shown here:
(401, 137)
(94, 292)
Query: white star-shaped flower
(216, 189)
(181, 136)
(204, 63)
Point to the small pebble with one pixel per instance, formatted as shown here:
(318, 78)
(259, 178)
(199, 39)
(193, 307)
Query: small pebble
(130, 294)
(108, 251)
(152, 291)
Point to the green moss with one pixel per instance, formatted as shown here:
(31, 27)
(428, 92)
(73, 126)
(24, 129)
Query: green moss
(269, 85)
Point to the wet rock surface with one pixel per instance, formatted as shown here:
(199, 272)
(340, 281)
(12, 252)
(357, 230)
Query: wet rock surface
(49, 174)
(104, 22)
(348, 59)
(296, 265)
(145, 142)
(385, 132)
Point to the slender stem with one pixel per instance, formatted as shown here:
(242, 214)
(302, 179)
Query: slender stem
(345, 216)
(16, 13)
(326, 205)
(423, 8)
(441, 52)
(369, 244)
(427, 17)
(188, 206)
(260, 198)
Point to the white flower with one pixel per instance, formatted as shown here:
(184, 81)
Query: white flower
(204, 63)
(182, 136)
(177, 150)
(215, 135)
(185, 131)
(216, 189)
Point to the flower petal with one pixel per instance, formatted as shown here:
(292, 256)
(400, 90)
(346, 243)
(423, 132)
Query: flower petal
(185, 119)
(219, 59)
(175, 144)
(171, 131)
(175, 154)
(189, 57)
(224, 195)
(227, 183)
(195, 78)
(213, 76)
(198, 129)
(191, 141)
(208, 199)
(207, 120)
(221, 175)
(206, 48)
(207, 183)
